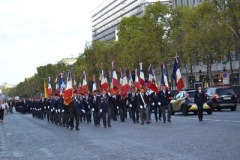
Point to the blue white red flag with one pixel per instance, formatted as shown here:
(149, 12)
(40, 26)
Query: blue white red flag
(57, 87)
(61, 84)
(125, 86)
(94, 85)
(152, 79)
(114, 76)
(69, 89)
(84, 83)
(104, 82)
(164, 79)
(176, 75)
(141, 75)
(49, 91)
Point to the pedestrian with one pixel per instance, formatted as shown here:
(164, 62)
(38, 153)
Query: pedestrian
(163, 101)
(2, 108)
(200, 98)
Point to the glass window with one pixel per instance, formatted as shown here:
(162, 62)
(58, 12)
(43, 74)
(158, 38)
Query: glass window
(234, 79)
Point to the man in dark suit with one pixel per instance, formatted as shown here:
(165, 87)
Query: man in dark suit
(200, 98)
(163, 101)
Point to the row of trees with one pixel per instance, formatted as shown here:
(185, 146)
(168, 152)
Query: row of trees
(202, 34)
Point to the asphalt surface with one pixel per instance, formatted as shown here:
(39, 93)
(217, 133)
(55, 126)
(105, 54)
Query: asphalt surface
(185, 138)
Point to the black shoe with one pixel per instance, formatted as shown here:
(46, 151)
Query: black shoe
(159, 119)
(109, 125)
(77, 129)
(169, 121)
(200, 119)
(142, 123)
(105, 126)
(164, 121)
(148, 122)
(71, 128)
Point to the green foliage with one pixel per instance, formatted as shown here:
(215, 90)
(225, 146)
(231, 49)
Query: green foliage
(205, 33)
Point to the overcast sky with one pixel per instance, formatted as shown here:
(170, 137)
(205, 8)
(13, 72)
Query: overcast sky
(34, 33)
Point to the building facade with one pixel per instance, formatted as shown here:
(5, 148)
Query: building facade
(107, 16)
(177, 3)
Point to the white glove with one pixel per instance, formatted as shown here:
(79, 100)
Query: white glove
(59, 110)
(83, 110)
(159, 103)
(153, 104)
(51, 110)
(141, 106)
(40, 109)
(89, 106)
(101, 110)
(117, 107)
(169, 92)
(48, 107)
(62, 110)
(92, 109)
(109, 94)
(130, 105)
(44, 107)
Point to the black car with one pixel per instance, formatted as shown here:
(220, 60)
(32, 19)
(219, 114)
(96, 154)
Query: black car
(223, 97)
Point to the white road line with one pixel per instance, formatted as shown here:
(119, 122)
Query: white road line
(216, 120)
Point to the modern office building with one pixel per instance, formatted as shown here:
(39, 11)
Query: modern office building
(176, 3)
(107, 16)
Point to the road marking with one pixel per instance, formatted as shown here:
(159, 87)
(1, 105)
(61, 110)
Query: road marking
(216, 120)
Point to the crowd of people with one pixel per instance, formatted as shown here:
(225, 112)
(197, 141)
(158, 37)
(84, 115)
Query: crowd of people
(102, 107)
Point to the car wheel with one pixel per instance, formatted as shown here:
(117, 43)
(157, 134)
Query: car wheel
(173, 113)
(219, 109)
(195, 112)
(184, 110)
(234, 108)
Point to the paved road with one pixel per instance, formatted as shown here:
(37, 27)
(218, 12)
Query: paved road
(217, 137)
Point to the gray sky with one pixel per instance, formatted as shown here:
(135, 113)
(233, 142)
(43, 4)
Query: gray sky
(34, 33)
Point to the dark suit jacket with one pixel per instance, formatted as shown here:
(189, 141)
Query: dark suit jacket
(200, 98)
(163, 98)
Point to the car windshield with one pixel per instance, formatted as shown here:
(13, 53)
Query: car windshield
(225, 91)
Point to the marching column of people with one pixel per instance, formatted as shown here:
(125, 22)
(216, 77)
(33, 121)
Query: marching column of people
(103, 106)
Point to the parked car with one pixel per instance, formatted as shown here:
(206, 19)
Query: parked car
(184, 102)
(223, 97)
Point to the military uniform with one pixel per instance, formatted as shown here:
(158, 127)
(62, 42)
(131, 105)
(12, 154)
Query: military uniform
(200, 98)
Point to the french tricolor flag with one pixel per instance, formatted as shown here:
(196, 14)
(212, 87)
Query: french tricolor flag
(61, 84)
(151, 79)
(164, 79)
(114, 76)
(57, 87)
(136, 82)
(141, 75)
(104, 82)
(84, 83)
(69, 89)
(125, 86)
(176, 75)
(49, 92)
(94, 86)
